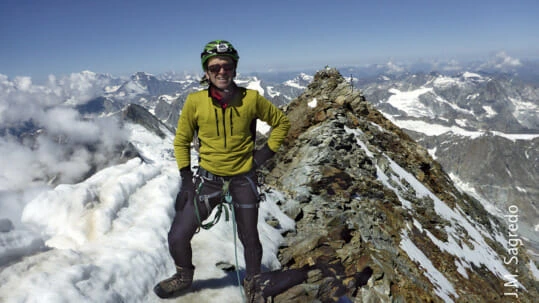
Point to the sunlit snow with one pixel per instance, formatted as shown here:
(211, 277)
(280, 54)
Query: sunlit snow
(471, 75)
(313, 103)
(433, 129)
(262, 127)
(409, 102)
(442, 286)
(295, 82)
(272, 92)
(254, 84)
(490, 111)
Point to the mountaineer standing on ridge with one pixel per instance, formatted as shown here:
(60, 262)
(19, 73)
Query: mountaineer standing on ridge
(223, 117)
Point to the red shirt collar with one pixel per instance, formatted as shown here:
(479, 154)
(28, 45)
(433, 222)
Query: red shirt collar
(215, 94)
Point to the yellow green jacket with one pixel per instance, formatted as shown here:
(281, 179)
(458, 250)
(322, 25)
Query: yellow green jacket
(226, 134)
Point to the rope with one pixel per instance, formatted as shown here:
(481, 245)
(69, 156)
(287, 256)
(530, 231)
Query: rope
(228, 198)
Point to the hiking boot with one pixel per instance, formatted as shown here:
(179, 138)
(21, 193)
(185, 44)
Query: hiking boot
(176, 285)
(253, 290)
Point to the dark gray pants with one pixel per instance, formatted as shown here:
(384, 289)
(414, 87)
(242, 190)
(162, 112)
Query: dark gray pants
(245, 200)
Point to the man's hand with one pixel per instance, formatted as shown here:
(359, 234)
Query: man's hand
(187, 189)
(262, 155)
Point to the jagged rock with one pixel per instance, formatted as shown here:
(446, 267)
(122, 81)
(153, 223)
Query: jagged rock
(371, 196)
(140, 115)
(98, 105)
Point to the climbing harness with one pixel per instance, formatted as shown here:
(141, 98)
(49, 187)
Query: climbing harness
(226, 197)
(221, 207)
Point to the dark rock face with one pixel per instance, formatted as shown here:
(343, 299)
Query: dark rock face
(363, 194)
(140, 115)
(169, 112)
(97, 106)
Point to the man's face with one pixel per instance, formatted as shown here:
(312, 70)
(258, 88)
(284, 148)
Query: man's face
(221, 71)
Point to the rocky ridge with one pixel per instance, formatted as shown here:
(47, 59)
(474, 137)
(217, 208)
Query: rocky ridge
(363, 193)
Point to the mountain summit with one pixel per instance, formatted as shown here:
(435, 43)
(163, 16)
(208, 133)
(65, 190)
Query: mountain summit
(362, 192)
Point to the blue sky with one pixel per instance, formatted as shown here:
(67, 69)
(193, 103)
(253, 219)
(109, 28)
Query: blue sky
(57, 37)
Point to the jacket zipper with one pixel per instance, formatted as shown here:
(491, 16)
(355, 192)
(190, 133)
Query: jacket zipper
(231, 124)
(216, 121)
(224, 125)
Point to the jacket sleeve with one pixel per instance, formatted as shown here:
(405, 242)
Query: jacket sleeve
(271, 114)
(184, 134)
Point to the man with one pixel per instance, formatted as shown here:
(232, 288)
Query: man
(224, 119)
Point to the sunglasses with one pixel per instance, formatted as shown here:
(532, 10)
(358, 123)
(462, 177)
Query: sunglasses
(217, 67)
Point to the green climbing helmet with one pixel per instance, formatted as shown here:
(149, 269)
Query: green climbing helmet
(218, 48)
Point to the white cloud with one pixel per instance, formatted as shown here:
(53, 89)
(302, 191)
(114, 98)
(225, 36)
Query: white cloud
(506, 60)
(394, 68)
(14, 158)
(23, 83)
(452, 65)
(60, 151)
(67, 121)
(502, 61)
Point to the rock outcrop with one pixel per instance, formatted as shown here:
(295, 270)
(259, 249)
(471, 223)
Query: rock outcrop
(363, 193)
